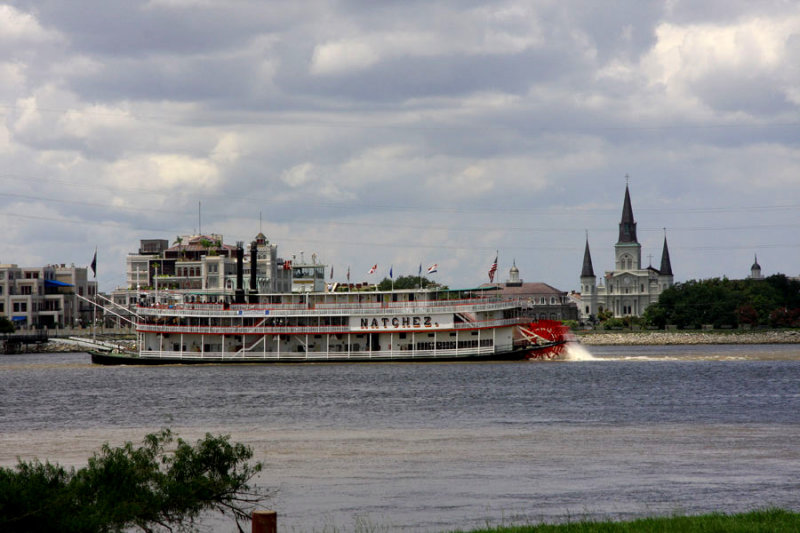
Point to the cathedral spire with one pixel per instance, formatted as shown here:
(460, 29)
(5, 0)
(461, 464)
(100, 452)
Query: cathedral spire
(587, 270)
(627, 226)
(666, 265)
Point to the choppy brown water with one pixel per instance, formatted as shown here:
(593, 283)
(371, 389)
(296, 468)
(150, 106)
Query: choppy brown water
(623, 432)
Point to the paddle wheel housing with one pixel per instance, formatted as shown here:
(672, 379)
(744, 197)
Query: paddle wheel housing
(545, 339)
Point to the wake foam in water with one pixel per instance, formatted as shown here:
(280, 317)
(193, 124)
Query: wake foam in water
(577, 352)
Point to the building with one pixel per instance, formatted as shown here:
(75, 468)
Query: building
(629, 288)
(539, 301)
(203, 264)
(273, 273)
(45, 297)
(755, 270)
(307, 276)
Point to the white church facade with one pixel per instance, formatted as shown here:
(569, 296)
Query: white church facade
(628, 289)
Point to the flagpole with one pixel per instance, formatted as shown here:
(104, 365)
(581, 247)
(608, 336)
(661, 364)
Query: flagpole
(94, 307)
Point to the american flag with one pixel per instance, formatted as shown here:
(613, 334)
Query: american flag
(433, 268)
(373, 269)
(493, 269)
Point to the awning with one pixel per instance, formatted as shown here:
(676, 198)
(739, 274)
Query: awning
(19, 318)
(56, 283)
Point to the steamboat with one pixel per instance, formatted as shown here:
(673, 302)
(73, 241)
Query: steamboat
(238, 326)
(401, 325)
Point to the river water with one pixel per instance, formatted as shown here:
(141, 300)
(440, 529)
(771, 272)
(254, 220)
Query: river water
(617, 433)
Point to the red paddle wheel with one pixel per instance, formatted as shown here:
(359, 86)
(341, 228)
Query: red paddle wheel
(545, 339)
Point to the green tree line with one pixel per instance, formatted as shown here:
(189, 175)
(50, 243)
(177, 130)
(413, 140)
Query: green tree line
(408, 282)
(773, 301)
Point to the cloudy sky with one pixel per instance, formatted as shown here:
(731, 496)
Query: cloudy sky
(404, 133)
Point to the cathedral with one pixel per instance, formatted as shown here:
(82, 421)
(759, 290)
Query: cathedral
(629, 288)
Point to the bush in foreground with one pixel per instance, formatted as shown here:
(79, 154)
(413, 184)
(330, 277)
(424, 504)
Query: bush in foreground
(150, 487)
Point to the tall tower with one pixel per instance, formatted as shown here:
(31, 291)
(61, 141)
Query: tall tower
(628, 251)
(755, 270)
(513, 276)
(665, 276)
(588, 284)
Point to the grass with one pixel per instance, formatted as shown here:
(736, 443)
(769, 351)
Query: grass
(768, 520)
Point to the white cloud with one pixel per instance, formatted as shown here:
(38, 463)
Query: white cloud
(17, 26)
(686, 54)
(488, 30)
(298, 175)
(470, 181)
(376, 164)
(342, 56)
(92, 121)
(13, 78)
(178, 4)
(163, 172)
(28, 111)
(460, 115)
(228, 149)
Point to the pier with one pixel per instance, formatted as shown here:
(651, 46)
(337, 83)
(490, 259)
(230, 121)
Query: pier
(13, 343)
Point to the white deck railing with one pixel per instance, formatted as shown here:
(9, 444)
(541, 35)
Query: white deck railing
(325, 356)
(343, 329)
(330, 309)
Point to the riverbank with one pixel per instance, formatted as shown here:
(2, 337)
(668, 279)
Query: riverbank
(777, 520)
(617, 338)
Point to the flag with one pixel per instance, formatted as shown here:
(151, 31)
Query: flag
(432, 268)
(390, 272)
(94, 264)
(373, 269)
(348, 272)
(420, 269)
(493, 269)
(331, 271)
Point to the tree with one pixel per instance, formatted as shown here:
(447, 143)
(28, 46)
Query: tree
(407, 282)
(747, 314)
(724, 302)
(149, 487)
(6, 326)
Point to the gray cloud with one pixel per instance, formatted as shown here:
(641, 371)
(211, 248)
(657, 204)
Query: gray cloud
(403, 132)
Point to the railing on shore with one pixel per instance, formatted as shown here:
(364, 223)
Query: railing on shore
(13, 342)
(88, 332)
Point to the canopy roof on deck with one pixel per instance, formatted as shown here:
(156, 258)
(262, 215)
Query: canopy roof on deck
(56, 283)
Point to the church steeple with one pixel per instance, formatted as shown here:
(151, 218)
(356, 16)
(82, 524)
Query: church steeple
(755, 270)
(666, 265)
(587, 271)
(627, 226)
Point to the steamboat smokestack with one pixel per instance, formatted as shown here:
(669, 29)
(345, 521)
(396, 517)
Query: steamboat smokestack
(239, 298)
(253, 271)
